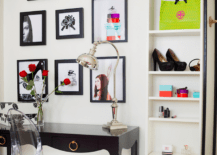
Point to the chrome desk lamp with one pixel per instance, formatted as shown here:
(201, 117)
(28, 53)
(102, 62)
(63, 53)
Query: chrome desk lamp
(91, 62)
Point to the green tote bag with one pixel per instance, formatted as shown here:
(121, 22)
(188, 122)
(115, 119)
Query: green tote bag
(179, 16)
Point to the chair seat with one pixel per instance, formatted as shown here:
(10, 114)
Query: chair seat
(51, 151)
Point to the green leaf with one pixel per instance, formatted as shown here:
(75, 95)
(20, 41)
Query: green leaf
(28, 87)
(24, 79)
(59, 92)
(32, 92)
(31, 83)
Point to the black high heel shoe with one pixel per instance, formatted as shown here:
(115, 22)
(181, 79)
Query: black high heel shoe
(164, 65)
(171, 57)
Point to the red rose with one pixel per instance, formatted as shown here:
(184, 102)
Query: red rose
(32, 67)
(67, 81)
(45, 73)
(23, 73)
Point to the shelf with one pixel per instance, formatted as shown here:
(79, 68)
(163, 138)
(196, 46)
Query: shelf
(183, 120)
(173, 73)
(160, 153)
(174, 99)
(163, 33)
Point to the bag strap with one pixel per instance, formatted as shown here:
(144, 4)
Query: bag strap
(178, 1)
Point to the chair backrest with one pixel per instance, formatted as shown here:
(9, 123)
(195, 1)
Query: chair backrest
(25, 137)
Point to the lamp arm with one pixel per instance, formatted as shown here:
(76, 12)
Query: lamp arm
(93, 50)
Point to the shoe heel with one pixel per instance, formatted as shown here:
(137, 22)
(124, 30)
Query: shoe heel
(155, 65)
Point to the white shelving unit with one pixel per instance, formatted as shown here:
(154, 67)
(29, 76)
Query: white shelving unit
(186, 129)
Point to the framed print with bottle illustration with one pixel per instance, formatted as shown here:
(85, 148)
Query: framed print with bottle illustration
(70, 23)
(109, 20)
(74, 72)
(22, 93)
(33, 28)
(102, 80)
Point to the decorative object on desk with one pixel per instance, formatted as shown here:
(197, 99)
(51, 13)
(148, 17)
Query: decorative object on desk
(109, 20)
(186, 150)
(164, 65)
(35, 83)
(195, 67)
(182, 92)
(178, 66)
(101, 81)
(70, 23)
(166, 91)
(91, 62)
(22, 69)
(33, 28)
(196, 95)
(167, 149)
(72, 70)
(180, 15)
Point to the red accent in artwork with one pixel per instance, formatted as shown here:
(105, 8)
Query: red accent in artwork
(112, 37)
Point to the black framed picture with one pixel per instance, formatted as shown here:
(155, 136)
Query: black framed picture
(74, 72)
(70, 23)
(109, 20)
(41, 64)
(102, 80)
(33, 28)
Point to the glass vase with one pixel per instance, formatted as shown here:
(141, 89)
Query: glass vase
(40, 116)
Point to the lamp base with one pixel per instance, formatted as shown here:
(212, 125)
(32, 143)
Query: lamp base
(114, 126)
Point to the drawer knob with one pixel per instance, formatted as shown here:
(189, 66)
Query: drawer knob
(73, 142)
(1, 137)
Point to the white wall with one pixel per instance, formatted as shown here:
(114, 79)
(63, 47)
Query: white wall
(1, 52)
(78, 109)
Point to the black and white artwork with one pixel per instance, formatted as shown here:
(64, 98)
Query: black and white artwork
(24, 94)
(102, 80)
(32, 28)
(69, 23)
(74, 72)
(109, 20)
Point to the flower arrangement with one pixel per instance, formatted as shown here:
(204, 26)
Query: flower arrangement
(38, 96)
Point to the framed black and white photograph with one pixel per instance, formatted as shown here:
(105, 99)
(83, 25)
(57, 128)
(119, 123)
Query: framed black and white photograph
(33, 28)
(70, 23)
(109, 20)
(74, 72)
(22, 93)
(102, 80)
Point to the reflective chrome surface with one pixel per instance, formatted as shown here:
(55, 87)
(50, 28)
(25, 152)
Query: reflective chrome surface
(88, 61)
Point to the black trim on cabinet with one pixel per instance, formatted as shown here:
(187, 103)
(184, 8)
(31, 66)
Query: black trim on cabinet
(204, 78)
(215, 91)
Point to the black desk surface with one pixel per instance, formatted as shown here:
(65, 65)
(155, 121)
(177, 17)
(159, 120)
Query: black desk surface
(78, 129)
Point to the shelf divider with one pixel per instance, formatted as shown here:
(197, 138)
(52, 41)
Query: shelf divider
(181, 120)
(174, 99)
(164, 33)
(173, 73)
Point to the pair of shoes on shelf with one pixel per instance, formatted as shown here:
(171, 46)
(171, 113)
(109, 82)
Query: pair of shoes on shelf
(171, 62)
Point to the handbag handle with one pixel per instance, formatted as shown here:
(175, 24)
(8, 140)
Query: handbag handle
(178, 1)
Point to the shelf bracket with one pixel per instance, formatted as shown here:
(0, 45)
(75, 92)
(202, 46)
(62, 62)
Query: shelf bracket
(211, 21)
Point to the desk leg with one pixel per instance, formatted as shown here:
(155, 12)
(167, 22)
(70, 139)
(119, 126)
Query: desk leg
(9, 150)
(135, 149)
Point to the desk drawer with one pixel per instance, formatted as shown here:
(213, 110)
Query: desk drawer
(76, 144)
(3, 140)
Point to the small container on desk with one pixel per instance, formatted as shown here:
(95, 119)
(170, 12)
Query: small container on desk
(166, 91)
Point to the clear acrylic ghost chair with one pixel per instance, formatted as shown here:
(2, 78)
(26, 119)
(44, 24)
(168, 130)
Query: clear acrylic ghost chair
(25, 137)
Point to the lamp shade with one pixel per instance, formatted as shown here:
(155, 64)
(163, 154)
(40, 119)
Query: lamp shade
(88, 61)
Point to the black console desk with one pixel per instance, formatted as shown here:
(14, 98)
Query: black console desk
(88, 138)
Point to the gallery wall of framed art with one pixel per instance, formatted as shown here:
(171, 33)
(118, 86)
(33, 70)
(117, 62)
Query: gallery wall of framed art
(23, 94)
(74, 72)
(109, 20)
(33, 28)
